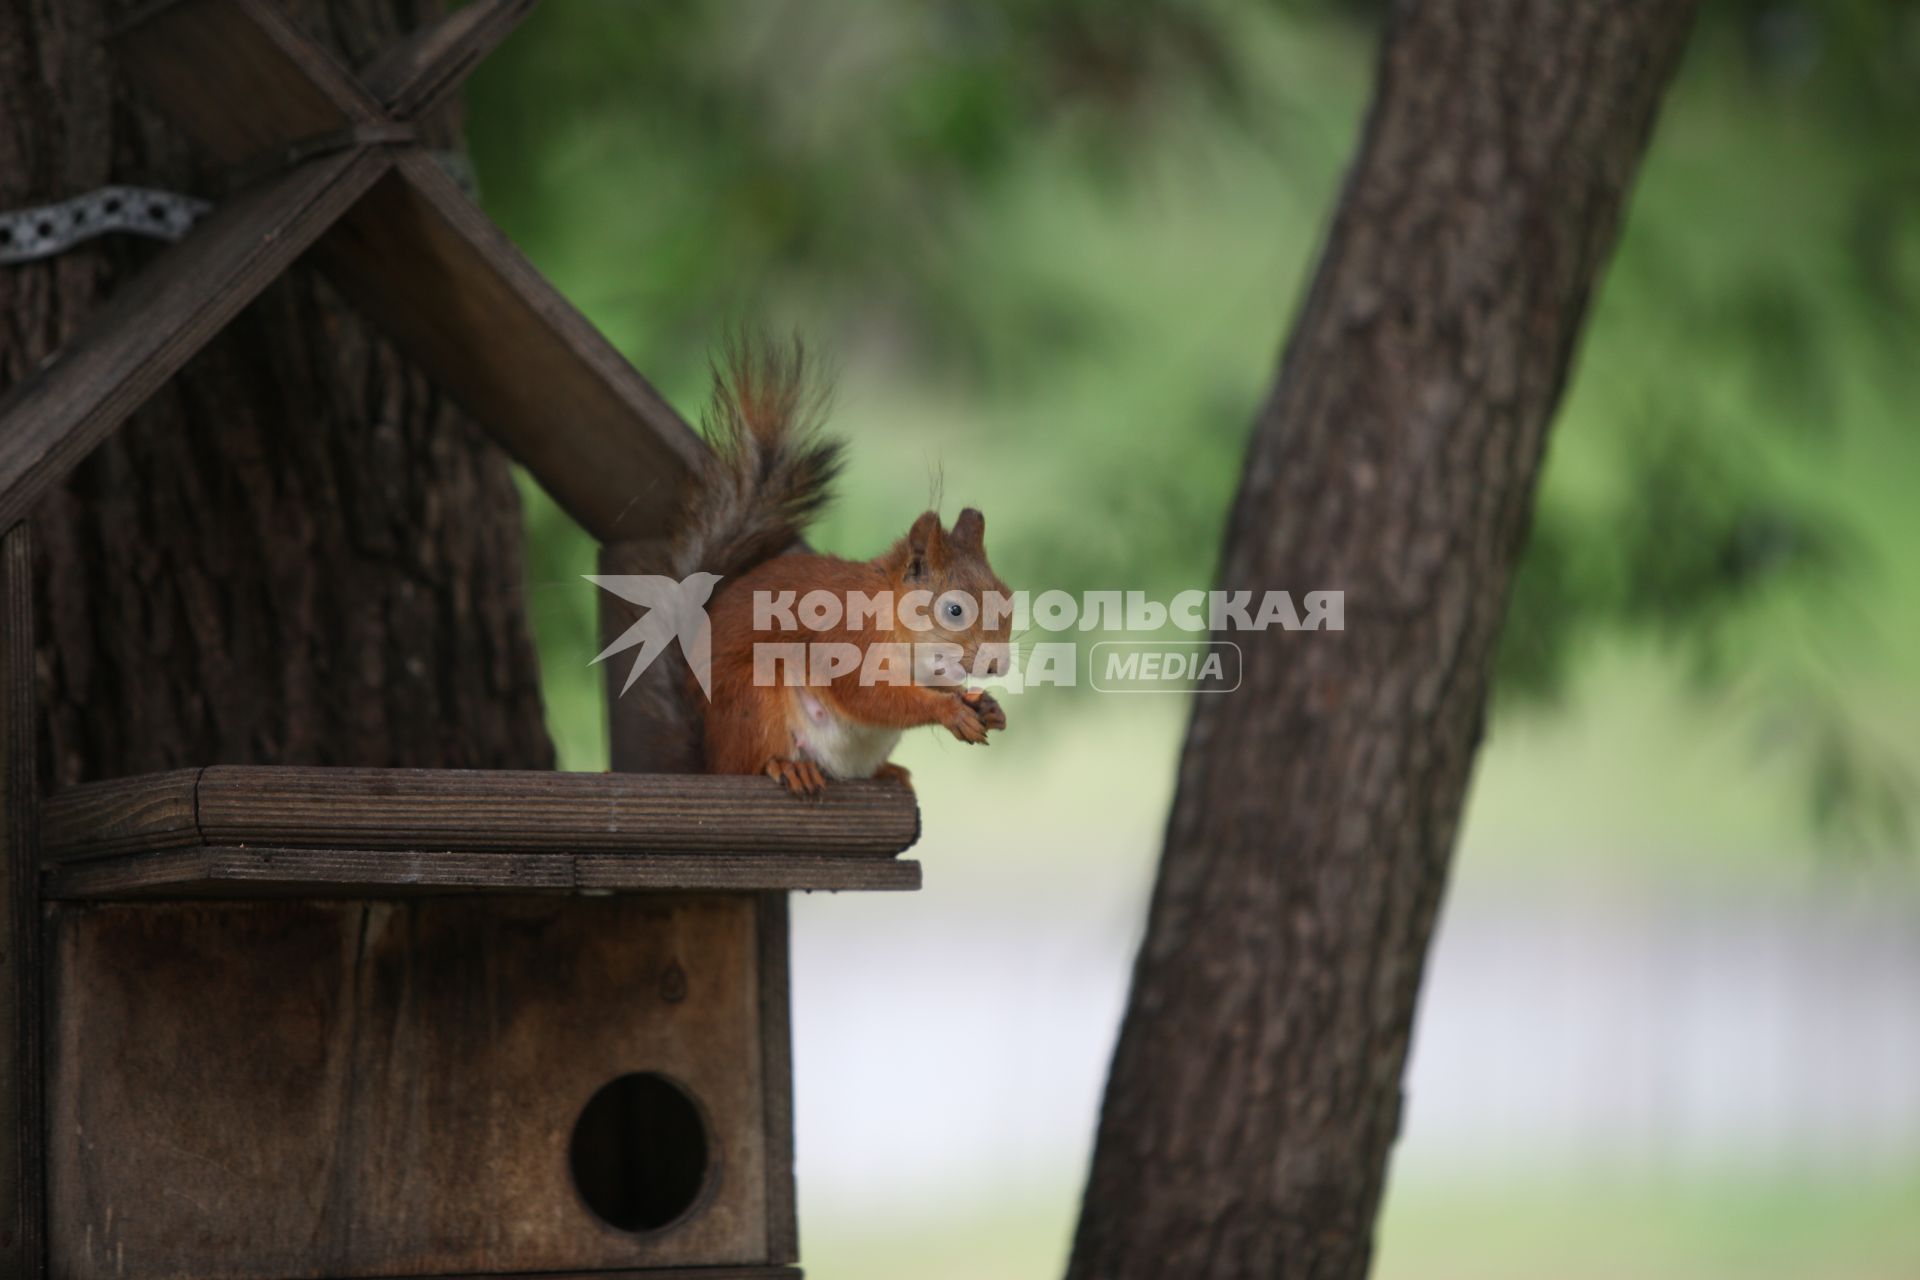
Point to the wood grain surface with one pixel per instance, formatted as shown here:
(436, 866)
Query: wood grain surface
(475, 810)
(306, 1090)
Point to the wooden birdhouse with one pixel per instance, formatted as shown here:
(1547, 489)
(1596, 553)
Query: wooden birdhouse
(270, 1023)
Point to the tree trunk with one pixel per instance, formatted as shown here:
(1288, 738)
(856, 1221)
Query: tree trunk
(298, 552)
(1255, 1091)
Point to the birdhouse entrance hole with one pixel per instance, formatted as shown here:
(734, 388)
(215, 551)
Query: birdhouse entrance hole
(639, 1152)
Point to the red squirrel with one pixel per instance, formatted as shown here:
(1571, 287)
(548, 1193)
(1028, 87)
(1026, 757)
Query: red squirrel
(769, 474)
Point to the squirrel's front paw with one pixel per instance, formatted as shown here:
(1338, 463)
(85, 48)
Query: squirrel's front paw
(986, 707)
(965, 723)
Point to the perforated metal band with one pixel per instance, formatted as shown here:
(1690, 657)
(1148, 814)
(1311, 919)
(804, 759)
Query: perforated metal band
(44, 230)
(40, 231)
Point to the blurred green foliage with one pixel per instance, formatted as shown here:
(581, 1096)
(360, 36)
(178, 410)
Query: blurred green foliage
(1055, 244)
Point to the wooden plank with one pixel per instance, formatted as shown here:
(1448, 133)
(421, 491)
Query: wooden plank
(776, 1071)
(448, 286)
(478, 810)
(152, 811)
(382, 1089)
(140, 338)
(746, 874)
(239, 77)
(422, 71)
(670, 1273)
(226, 872)
(22, 1084)
(644, 734)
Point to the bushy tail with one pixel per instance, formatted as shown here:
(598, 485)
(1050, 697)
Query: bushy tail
(770, 472)
(768, 475)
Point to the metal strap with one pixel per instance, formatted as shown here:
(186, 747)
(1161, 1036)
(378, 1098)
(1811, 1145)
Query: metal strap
(41, 231)
(44, 230)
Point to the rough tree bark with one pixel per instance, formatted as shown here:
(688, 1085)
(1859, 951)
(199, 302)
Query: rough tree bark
(297, 552)
(1255, 1091)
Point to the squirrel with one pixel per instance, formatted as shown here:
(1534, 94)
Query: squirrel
(769, 474)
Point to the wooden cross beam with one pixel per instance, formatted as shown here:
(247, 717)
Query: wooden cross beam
(346, 177)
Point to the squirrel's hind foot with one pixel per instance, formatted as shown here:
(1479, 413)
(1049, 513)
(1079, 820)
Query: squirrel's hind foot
(802, 777)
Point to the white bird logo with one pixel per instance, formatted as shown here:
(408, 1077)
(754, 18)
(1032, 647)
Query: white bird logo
(674, 610)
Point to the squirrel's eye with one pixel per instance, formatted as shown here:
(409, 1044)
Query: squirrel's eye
(953, 609)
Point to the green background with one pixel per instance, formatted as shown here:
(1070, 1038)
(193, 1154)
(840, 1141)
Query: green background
(1053, 249)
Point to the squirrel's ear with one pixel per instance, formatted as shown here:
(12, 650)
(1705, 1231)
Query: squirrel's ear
(923, 544)
(970, 530)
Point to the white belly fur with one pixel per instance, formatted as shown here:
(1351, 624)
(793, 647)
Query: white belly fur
(842, 747)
